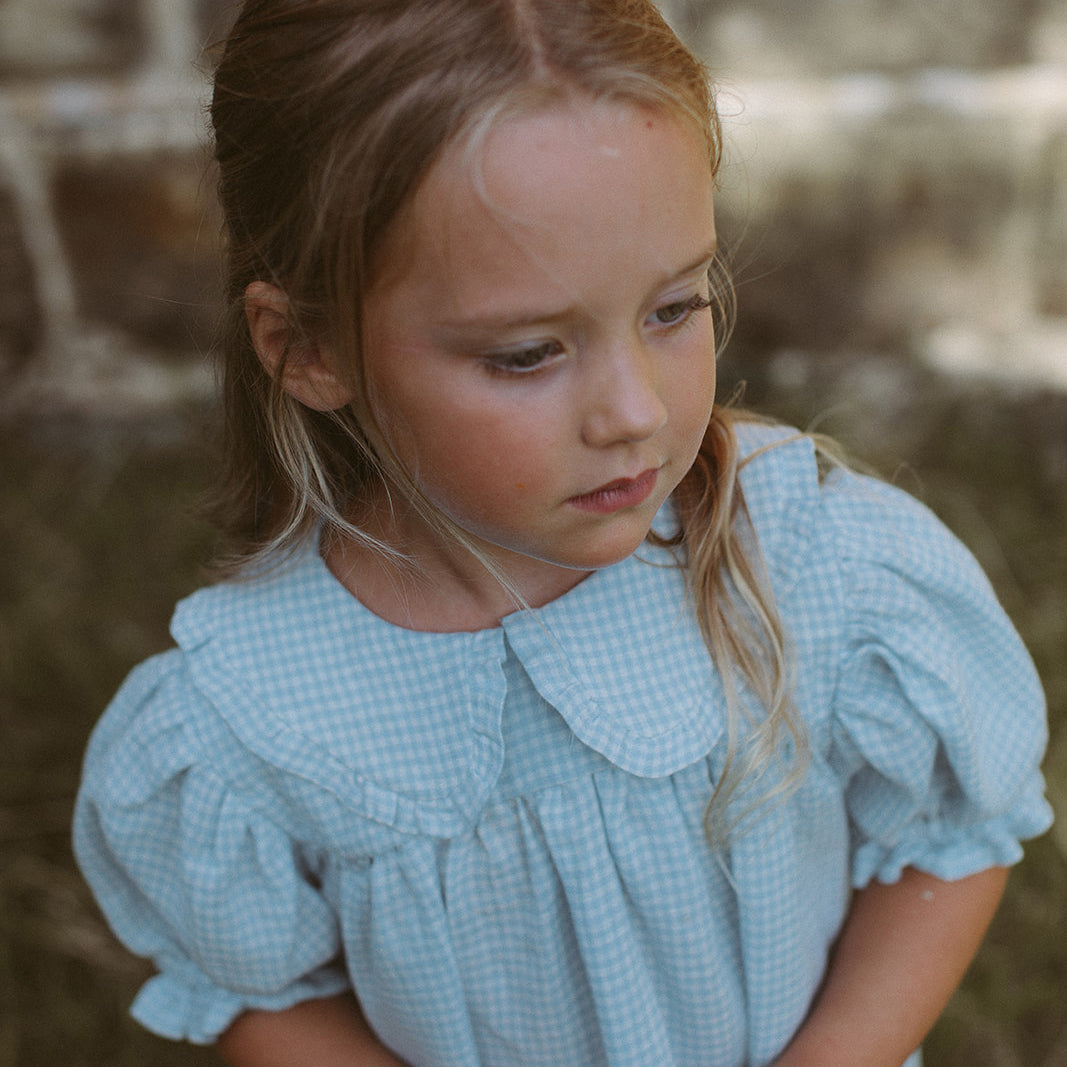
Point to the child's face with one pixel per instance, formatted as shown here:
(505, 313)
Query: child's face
(537, 349)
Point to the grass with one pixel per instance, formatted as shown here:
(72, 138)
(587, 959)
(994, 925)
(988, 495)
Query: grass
(99, 540)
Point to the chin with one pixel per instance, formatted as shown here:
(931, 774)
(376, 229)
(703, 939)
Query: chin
(609, 554)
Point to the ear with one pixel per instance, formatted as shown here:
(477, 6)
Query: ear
(307, 369)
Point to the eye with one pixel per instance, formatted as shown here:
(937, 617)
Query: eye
(524, 360)
(678, 312)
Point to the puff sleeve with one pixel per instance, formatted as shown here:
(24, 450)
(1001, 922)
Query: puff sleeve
(939, 719)
(191, 874)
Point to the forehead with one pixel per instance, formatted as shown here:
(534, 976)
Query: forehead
(559, 190)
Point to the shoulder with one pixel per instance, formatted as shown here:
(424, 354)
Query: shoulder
(878, 529)
(801, 505)
(342, 728)
(853, 560)
(780, 481)
(152, 731)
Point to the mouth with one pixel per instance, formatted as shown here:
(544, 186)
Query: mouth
(619, 494)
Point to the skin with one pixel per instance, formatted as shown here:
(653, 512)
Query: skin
(327, 1033)
(534, 340)
(522, 356)
(902, 952)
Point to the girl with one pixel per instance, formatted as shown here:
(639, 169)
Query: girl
(551, 713)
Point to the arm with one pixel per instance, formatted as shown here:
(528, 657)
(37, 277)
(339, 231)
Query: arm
(902, 952)
(330, 1032)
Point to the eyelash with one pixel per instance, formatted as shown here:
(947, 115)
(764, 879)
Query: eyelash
(528, 361)
(684, 309)
(522, 361)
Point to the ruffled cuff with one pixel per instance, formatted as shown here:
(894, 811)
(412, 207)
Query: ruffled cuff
(183, 1005)
(950, 852)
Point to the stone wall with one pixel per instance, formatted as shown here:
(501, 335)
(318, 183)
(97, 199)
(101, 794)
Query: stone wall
(896, 176)
(108, 231)
(896, 180)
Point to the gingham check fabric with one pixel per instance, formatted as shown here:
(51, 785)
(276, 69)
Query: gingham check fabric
(498, 839)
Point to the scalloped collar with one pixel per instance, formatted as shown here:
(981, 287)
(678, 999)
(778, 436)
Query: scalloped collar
(404, 726)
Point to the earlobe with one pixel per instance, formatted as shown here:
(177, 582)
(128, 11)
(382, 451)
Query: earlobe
(307, 372)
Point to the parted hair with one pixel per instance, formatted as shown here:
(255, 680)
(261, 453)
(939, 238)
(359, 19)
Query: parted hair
(327, 117)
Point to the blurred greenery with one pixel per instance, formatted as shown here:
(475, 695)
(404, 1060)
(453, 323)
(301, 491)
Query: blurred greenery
(100, 537)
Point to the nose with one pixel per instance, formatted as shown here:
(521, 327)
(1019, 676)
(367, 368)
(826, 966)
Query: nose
(624, 398)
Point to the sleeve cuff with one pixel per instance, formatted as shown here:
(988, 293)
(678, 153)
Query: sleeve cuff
(200, 1012)
(960, 854)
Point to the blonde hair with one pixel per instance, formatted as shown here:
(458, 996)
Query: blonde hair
(328, 114)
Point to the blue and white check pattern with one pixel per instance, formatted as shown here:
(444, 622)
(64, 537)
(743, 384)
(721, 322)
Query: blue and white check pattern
(497, 838)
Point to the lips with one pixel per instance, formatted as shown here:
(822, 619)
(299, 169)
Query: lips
(619, 494)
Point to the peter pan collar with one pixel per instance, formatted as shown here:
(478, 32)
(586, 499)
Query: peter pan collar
(293, 665)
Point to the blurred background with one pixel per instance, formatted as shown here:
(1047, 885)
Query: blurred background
(894, 200)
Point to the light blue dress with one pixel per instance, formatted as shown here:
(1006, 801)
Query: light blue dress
(497, 837)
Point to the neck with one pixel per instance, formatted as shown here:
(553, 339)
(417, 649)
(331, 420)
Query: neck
(439, 587)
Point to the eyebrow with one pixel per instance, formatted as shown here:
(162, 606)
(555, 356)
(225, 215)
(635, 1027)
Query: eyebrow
(494, 323)
(704, 260)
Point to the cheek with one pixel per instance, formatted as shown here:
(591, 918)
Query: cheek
(694, 397)
(478, 459)
(485, 490)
